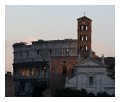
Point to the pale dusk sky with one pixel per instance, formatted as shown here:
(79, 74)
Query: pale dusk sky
(29, 23)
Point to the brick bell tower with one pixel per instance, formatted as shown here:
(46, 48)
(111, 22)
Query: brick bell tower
(84, 32)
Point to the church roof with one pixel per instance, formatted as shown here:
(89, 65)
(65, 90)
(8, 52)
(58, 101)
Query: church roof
(88, 61)
(84, 17)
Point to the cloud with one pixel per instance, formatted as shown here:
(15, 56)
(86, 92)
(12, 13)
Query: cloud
(29, 40)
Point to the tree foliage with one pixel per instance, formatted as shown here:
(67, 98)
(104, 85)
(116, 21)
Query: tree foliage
(66, 92)
(104, 94)
(38, 88)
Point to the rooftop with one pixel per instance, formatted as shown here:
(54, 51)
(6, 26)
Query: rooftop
(84, 17)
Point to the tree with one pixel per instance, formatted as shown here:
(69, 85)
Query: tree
(83, 93)
(104, 94)
(91, 95)
(38, 88)
(66, 92)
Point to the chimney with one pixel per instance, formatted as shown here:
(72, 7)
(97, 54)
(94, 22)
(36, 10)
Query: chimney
(9, 73)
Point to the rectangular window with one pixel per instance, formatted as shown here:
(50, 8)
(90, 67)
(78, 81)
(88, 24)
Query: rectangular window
(90, 80)
(86, 28)
(27, 53)
(38, 52)
(86, 38)
(64, 70)
(80, 37)
(50, 51)
(64, 61)
(44, 71)
(66, 50)
(82, 27)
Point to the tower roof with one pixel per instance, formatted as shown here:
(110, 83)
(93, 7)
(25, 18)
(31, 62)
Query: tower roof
(84, 17)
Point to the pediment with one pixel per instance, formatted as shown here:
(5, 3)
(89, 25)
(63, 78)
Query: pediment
(90, 62)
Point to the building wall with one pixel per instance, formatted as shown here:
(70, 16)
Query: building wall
(32, 62)
(57, 74)
(27, 74)
(92, 76)
(9, 85)
(31, 69)
(98, 75)
(101, 82)
(42, 50)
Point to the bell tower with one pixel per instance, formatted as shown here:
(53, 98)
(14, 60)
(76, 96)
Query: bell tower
(84, 30)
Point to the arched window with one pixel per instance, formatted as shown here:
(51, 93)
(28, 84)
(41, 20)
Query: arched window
(81, 27)
(80, 48)
(23, 72)
(86, 48)
(86, 38)
(82, 38)
(33, 71)
(86, 28)
(38, 72)
(64, 70)
(27, 72)
(44, 71)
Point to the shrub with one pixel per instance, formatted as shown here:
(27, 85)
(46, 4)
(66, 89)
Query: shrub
(38, 88)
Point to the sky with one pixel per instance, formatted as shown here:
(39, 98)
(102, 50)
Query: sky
(30, 23)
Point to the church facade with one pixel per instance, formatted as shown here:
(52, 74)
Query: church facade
(91, 75)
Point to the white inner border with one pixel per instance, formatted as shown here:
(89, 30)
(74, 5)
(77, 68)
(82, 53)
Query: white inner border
(59, 2)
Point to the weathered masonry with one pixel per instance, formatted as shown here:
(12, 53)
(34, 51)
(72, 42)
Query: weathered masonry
(32, 62)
